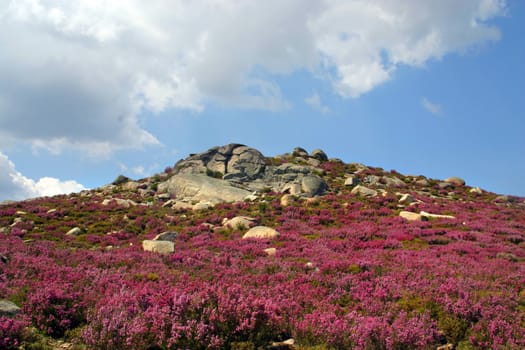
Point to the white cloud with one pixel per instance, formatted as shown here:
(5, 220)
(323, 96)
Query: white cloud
(15, 186)
(431, 107)
(314, 101)
(79, 74)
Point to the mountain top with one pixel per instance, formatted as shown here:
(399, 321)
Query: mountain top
(232, 249)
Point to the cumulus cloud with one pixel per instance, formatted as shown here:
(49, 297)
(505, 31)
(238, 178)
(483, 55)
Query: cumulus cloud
(315, 102)
(79, 74)
(431, 107)
(15, 186)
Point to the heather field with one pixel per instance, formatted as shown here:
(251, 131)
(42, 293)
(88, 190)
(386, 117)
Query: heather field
(348, 272)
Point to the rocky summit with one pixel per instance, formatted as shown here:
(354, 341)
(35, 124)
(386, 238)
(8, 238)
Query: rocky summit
(232, 249)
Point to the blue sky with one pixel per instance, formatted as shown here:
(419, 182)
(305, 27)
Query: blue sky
(89, 90)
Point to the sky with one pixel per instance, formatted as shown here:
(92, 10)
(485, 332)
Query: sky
(93, 89)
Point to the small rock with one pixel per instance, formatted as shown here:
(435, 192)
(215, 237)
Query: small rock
(161, 247)
(50, 211)
(422, 182)
(393, 181)
(287, 200)
(170, 236)
(21, 212)
(239, 222)
(261, 232)
(75, 231)
(410, 216)
(8, 308)
(363, 191)
(476, 190)
(448, 346)
(16, 221)
(352, 181)
(182, 205)
(444, 185)
(456, 181)
(313, 162)
(203, 206)
(270, 251)
(502, 199)
(406, 198)
(371, 179)
(319, 155)
(125, 203)
(436, 216)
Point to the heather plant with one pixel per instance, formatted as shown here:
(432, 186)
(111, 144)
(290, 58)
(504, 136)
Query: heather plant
(11, 332)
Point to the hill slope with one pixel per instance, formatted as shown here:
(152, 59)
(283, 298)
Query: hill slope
(351, 257)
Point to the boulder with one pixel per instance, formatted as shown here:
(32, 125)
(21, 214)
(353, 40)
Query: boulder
(287, 200)
(161, 247)
(422, 182)
(8, 308)
(75, 231)
(445, 185)
(313, 162)
(203, 205)
(360, 190)
(270, 251)
(313, 185)
(319, 155)
(406, 198)
(200, 187)
(436, 216)
(170, 236)
(352, 181)
(124, 203)
(261, 232)
(476, 190)
(300, 152)
(456, 181)
(392, 181)
(410, 216)
(239, 222)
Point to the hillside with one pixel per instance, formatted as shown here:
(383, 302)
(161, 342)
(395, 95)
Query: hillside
(342, 256)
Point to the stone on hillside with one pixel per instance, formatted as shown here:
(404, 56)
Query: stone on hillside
(410, 216)
(422, 182)
(292, 189)
(125, 203)
(270, 251)
(8, 308)
(406, 198)
(261, 232)
(392, 181)
(313, 162)
(476, 190)
(319, 155)
(313, 185)
(166, 236)
(436, 216)
(371, 179)
(130, 186)
(239, 222)
(360, 190)
(161, 247)
(352, 181)
(445, 185)
(203, 205)
(51, 211)
(456, 181)
(300, 152)
(287, 200)
(75, 231)
(200, 187)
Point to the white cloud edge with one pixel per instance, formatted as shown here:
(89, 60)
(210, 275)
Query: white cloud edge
(16, 186)
(314, 101)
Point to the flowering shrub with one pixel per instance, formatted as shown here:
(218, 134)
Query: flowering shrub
(11, 331)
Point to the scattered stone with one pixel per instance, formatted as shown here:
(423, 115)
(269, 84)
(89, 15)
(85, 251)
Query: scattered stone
(125, 203)
(16, 221)
(251, 197)
(283, 345)
(130, 186)
(261, 232)
(448, 346)
(161, 247)
(363, 191)
(270, 251)
(170, 236)
(352, 181)
(313, 162)
(182, 205)
(371, 179)
(75, 231)
(476, 190)
(51, 211)
(436, 216)
(8, 308)
(287, 200)
(502, 199)
(300, 152)
(203, 206)
(169, 203)
(239, 222)
(456, 181)
(21, 212)
(319, 155)
(411, 216)
(406, 198)
(422, 182)
(445, 185)
(313, 185)
(163, 197)
(392, 182)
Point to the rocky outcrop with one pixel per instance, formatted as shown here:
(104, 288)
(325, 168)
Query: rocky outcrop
(363, 191)
(234, 172)
(456, 181)
(8, 308)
